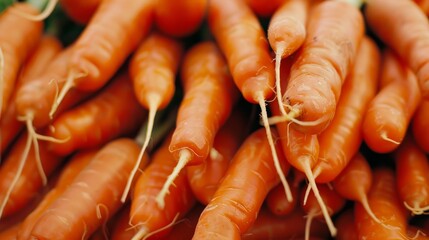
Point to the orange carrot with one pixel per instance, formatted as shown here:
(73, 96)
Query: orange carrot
(145, 214)
(121, 229)
(234, 207)
(277, 202)
(92, 197)
(264, 8)
(208, 89)
(406, 32)
(384, 201)
(80, 11)
(412, 167)
(9, 233)
(346, 226)
(184, 230)
(420, 125)
(179, 18)
(424, 5)
(205, 178)
(153, 70)
(343, 137)
(286, 33)
(113, 112)
(334, 32)
(20, 37)
(389, 113)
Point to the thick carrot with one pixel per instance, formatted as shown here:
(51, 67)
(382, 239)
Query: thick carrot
(209, 96)
(179, 18)
(68, 173)
(153, 70)
(80, 11)
(334, 32)
(92, 197)
(47, 49)
(20, 37)
(113, 112)
(388, 115)
(384, 200)
(346, 225)
(104, 44)
(20, 180)
(264, 8)
(412, 168)
(286, 33)
(343, 137)
(354, 182)
(420, 125)
(234, 207)
(407, 32)
(205, 178)
(145, 214)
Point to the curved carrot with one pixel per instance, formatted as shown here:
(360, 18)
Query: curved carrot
(145, 214)
(208, 89)
(343, 137)
(334, 32)
(420, 125)
(113, 112)
(205, 178)
(286, 33)
(68, 173)
(412, 167)
(153, 70)
(20, 37)
(264, 8)
(234, 207)
(406, 32)
(346, 225)
(179, 18)
(104, 44)
(19, 178)
(80, 11)
(93, 195)
(46, 50)
(389, 113)
(384, 201)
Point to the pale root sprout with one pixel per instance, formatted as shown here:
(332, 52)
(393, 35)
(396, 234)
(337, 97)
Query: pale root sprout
(38, 17)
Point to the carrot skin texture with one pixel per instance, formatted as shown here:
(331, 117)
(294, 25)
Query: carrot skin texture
(29, 182)
(407, 32)
(334, 32)
(80, 11)
(209, 95)
(264, 8)
(420, 125)
(153, 68)
(99, 185)
(86, 126)
(343, 137)
(235, 205)
(179, 18)
(20, 38)
(277, 202)
(390, 111)
(234, 26)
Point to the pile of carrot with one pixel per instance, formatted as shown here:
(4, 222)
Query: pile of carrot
(214, 119)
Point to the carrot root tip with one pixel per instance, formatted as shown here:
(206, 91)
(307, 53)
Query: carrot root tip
(384, 136)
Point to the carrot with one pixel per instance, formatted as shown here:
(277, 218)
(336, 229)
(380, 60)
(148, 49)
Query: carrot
(406, 32)
(157, 57)
(121, 229)
(384, 201)
(179, 18)
(97, 189)
(264, 8)
(354, 182)
(208, 89)
(104, 44)
(21, 39)
(277, 202)
(46, 50)
(420, 125)
(80, 11)
(333, 201)
(424, 5)
(113, 112)
(291, 226)
(145, 214)
(388, 115)
(20, 180)
(334, 32)
(412, 167)
(234, 207)
(184, 230)
(286, 33)
(346, 225)
(9, 233)
(205, 178)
